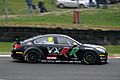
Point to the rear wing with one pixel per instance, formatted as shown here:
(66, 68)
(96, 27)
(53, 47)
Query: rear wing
(16, 39)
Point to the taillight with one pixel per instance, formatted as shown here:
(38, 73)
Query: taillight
(17, 46)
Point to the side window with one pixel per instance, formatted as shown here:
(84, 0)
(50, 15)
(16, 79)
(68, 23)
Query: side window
(71, 42)
(44, 40)
(62, 40)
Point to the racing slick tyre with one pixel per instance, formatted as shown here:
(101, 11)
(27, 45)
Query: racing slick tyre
(90, 57)
(32, 56)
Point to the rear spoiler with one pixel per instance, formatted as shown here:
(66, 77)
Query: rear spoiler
(16, 39)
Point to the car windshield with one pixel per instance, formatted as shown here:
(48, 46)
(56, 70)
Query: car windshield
(73, 40)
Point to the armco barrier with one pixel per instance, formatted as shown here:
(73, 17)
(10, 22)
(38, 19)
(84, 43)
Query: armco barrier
(84, 36)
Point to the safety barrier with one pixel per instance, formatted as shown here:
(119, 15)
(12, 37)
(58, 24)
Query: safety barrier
(83, 36)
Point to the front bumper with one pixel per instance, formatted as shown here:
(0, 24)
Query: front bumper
(103, 58)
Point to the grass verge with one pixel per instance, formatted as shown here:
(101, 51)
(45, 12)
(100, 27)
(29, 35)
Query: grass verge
(5, 46)
(107, 18)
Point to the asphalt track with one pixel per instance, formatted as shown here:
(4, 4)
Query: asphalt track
(15, 70)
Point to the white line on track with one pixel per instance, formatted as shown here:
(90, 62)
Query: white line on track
(2, 79)
(5, 55)
(10, 56)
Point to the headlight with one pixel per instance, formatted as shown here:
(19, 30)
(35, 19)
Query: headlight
(101, 50)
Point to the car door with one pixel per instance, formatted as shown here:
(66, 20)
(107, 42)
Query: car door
(64, 47)
(71, 3)
(69, 48)
(74, 3)
(45, 44)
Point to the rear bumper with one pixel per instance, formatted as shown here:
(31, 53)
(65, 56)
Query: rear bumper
(17, 54)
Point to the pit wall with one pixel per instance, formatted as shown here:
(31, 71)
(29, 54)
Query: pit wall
(101, 37)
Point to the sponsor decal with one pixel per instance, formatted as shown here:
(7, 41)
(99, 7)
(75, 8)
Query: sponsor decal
(58, 61)
(64, 51)
(53, 50)
(102, 55)
(103, 61)
(51, 57)
(19, 52)
(50, 61)
(43, 60)
(71, 61)
(74, 58)
(50, 39)
(74, 51)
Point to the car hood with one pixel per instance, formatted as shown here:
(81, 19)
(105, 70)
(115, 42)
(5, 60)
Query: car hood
(94, 46)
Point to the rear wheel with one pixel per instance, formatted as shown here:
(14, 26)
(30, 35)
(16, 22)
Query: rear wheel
(90, 57)
(61, 6)
(32, 56)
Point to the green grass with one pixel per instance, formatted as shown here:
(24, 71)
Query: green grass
(7, 46)
(89, 17)
(113, 49)
(41, 19)
(20, 7)
(101, 17)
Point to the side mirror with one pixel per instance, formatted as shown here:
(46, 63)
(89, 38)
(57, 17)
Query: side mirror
(75, 44)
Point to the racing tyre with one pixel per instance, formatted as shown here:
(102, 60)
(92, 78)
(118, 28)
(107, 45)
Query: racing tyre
(90, 57)
(32, 56)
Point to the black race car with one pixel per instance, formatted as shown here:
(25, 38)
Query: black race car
(58, 48)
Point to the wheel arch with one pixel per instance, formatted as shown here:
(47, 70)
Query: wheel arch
(81, 5)
(94, 51)
(90, 51)
(34, 48)
(82, 52)
(86, 49)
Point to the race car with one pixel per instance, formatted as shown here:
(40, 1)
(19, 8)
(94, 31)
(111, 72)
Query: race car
(58, 48)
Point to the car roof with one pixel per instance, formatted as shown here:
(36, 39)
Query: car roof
(54, 35)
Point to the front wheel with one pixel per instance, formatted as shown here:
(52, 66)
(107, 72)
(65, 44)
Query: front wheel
(81, 6)
(32, 56)
(89, 58)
